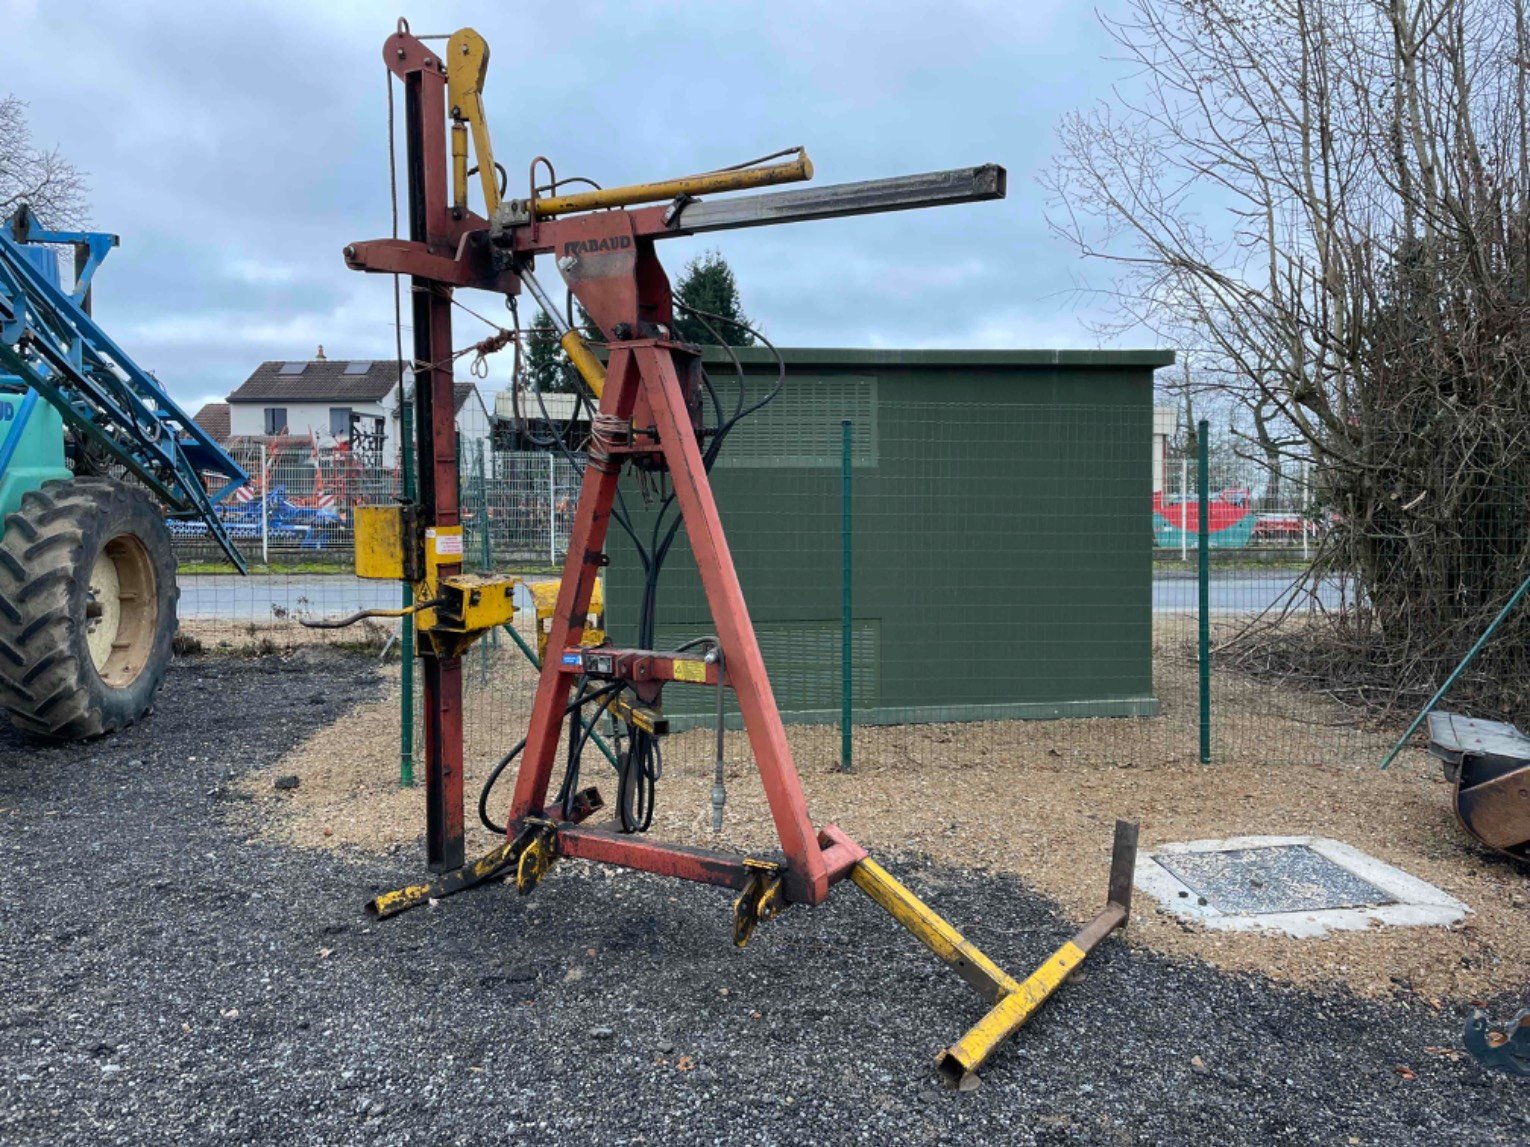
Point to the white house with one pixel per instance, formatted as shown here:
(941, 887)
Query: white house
(334, 401)
(474, 425)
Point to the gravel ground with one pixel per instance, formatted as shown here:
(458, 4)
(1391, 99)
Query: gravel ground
(167, 979)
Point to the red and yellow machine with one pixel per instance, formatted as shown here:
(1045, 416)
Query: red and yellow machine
(649, 389)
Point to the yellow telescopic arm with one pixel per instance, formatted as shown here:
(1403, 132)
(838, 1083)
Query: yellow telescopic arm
(735, 179)
(584, 360)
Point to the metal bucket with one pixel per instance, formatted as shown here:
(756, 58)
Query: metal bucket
(1489, 764)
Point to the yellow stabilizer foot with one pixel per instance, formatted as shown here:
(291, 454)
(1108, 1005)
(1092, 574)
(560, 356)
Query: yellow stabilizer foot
(1014, 1002)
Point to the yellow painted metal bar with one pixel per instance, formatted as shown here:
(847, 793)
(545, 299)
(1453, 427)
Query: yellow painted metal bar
(400, 899)
(467, 65)
(933, 931)
(484, 868)
(584, 360)
(740, 179)
(1014, 1002)
(959, 1062)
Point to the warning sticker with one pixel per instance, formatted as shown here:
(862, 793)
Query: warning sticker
(691, 671)
(448, 541)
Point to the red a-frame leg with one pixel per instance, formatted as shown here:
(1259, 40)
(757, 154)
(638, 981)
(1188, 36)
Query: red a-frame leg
(808, 876)
(581, 566)
(649, 367)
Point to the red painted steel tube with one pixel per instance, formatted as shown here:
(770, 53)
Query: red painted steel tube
(445, 846)
(701, 865)
(436, 436)
(840, 853)
(592, 519)
(808, 878)
(646, 665)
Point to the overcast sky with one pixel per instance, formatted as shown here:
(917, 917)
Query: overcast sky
(236, 148)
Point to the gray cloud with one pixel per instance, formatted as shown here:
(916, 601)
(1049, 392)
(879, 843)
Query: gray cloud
(236, 149)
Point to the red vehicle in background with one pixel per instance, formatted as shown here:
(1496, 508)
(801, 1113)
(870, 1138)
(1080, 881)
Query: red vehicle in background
(1277, 528)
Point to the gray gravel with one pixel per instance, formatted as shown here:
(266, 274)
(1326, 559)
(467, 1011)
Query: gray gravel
(167, 980)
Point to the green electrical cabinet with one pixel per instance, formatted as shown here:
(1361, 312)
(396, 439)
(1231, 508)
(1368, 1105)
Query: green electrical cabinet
(1001, 534)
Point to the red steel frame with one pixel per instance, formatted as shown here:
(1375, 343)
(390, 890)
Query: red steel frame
(607, 259)
(432, 228)
(647, 368)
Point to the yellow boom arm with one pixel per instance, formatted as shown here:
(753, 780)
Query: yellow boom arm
(467, 63)
(733, 179)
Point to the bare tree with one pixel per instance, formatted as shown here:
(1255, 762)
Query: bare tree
(42, 178)
(1332, 195)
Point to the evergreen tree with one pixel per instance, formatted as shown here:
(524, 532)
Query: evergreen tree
(708, 285)
(587, 326)
(544, 357)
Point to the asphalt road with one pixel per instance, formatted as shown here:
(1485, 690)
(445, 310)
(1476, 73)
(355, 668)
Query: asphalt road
(263, 598)
(169, 978)
(1239, 592)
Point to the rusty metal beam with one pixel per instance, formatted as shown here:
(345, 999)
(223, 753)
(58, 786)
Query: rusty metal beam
(436, 446)
(701, 865)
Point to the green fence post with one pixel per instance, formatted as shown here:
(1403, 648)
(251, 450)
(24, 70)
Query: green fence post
(846, 671)
(1471, 655)
(406, 636)
(1203, 543)
(485, 554)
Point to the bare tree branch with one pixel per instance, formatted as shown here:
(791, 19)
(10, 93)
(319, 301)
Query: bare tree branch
(41, 178)
(1330, 201)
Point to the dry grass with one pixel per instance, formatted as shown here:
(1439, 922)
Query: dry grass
(1033, 799)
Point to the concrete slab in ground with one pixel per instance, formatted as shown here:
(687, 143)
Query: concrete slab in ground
(1299, 885)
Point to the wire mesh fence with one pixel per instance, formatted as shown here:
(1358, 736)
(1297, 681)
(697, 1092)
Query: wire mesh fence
(1019, 592)
(293, 524)
(1025, 585)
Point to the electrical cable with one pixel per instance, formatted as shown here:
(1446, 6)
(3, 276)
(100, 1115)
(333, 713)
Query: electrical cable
(552, 187)
(654, 559)
(798, 150)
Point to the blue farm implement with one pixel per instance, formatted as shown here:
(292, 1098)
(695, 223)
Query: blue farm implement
(94, 455)
(284, 521)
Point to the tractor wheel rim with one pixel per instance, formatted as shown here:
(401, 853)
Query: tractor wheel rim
(122, 611)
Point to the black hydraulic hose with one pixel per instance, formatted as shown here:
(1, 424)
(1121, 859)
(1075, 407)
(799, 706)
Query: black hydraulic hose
(641, 767)
(578, 738)
(504, 762)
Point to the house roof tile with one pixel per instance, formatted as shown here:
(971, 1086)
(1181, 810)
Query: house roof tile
(214, 418)
(318, 381)
(461, 392)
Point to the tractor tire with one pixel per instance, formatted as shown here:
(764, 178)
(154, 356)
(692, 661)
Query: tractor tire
(87, 608)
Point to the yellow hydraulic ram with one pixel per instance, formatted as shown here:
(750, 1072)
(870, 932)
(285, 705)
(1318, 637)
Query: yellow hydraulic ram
(467, 64)
(1014, 1001)
(569, 338)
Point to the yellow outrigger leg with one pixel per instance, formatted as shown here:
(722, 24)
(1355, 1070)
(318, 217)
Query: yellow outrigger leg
(1013, 1001)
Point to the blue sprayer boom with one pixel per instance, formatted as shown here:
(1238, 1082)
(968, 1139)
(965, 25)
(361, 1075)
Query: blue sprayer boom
(118, 412)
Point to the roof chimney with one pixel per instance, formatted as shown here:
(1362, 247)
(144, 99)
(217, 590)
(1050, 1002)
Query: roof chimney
(320, 356)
